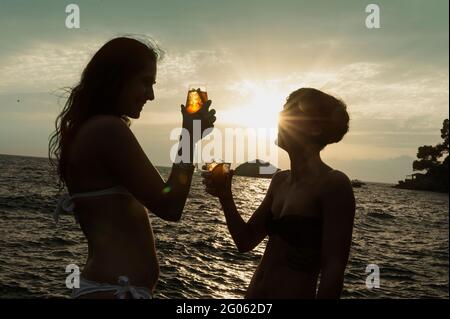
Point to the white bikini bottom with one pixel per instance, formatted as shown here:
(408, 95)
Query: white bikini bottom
(121, 290)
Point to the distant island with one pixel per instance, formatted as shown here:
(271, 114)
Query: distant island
(433, 162)
(252, 169)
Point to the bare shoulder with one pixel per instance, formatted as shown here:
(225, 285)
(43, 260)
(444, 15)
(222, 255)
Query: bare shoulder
(279, 177)
(337, 176)
(336, 180)
(104, 126)
(337, 196)
(103, 122)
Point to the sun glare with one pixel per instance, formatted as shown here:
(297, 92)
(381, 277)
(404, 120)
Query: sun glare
(259, 108)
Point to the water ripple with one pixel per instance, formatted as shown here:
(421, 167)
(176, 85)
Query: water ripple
(404, 232)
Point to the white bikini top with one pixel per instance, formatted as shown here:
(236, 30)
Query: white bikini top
(66, 204)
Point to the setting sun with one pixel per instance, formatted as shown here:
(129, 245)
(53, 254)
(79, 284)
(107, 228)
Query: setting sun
(229, 151)
(260, 106)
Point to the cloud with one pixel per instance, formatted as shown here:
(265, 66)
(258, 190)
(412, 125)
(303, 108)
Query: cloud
(179, 69)
(375, 91)
(45, 66)
(394, 80)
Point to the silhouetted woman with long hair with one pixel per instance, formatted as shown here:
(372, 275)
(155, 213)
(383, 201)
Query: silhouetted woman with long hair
(308, 211)
(110, 181)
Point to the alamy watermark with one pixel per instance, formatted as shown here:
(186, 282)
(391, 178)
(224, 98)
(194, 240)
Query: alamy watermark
(373, 18)
(73, 17)
(373, 279)
(73, 279)
(233, 145)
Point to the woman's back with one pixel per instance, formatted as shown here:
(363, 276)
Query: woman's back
(116, 225)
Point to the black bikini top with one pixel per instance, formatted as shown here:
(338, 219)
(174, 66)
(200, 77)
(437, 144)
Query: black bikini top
(304, 234)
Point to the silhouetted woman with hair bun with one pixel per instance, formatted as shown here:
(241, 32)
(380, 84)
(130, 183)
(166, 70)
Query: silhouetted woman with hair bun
(308, 211)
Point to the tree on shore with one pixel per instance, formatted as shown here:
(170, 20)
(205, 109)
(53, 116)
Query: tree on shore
(434, 161)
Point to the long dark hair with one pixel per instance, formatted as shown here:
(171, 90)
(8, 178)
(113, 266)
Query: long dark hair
(101, 82)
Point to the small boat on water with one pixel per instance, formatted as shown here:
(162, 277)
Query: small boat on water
(357, 183)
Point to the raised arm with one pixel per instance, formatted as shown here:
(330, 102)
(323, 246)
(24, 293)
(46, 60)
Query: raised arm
(246, 235)
(124, 157)
(338, 204)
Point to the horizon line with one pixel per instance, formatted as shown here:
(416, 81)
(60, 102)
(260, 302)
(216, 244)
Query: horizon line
(164, 166)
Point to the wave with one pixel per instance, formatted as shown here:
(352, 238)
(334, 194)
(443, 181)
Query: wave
(197, 255)
(380, 215)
